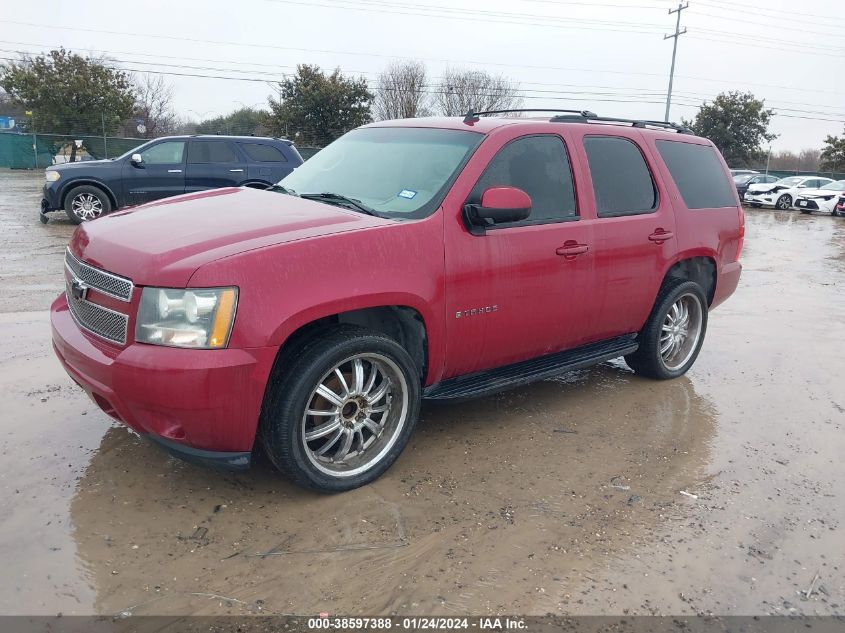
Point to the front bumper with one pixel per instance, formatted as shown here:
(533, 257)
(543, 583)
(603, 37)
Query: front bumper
(806, 204)
(50, 197)
(200, 405)
(762, 199)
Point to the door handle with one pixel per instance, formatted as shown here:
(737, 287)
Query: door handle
(174, 171)
(236, 170)
(572, 249)
(659, 236)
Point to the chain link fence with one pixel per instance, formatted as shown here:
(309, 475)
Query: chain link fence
(34, 151)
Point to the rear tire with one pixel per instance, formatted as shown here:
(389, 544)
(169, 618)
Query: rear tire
(85, 203)
(784, 203)
(340, 408)
(672, 337)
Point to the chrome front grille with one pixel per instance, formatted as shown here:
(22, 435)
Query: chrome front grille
(97, 319)
(103, 322)
(107, 283)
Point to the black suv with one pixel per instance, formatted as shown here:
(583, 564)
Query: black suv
(166, 167)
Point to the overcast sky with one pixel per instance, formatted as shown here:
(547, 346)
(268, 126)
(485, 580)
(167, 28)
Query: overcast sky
(608, 55)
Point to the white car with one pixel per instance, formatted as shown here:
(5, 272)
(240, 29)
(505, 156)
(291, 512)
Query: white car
(782, 194)
(821, 199)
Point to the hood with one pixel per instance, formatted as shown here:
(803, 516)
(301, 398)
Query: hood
(163, 243)
(78, 164)
(770, 186)
(819, 193)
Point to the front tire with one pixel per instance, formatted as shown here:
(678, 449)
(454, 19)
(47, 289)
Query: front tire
(672, 337)
(784, 203)
(340, 409)
(86, 203)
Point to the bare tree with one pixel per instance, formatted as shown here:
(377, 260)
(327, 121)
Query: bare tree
(154, 106)
(462, 90)
(401, 92)
(805, 160)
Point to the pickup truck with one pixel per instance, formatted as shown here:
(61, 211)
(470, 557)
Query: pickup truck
(440, 259)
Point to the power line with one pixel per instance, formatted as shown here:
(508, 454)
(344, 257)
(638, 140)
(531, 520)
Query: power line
(451, 12)
(616, 90)
(734, 5)
(568, 96)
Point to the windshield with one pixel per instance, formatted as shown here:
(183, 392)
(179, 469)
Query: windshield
(836, 185)
(793, 180)
(398, 172)
(741, 179)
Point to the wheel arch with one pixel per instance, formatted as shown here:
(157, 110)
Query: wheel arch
(697, 266)
(407, 324)
(79, 182)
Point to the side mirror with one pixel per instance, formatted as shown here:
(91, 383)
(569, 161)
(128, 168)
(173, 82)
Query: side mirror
(499, 205)
(137, 159)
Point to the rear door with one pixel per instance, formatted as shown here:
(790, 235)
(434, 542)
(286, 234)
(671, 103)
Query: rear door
(634, 231)
(160, 174)
(267, 162)
(213, 164)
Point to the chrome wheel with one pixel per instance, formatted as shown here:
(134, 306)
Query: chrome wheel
(354, 415)
(86, 206)
(784, 203)
(680, 331)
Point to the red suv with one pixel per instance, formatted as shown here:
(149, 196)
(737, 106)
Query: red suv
(428, 258)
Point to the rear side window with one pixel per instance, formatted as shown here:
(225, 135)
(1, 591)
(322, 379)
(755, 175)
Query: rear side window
(539, 166)
(698, 174)
(261, 153)
(211, 152)
(621, 180)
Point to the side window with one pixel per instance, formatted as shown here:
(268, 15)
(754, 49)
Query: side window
(211, 152)
(166, 153)
(261, 153)
(540, 167)
(698, 174)
(621, 180)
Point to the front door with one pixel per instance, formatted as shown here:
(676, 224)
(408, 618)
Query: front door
(160, 174)
(520, 290)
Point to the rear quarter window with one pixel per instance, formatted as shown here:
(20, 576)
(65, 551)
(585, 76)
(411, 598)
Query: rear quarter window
(698, 174)
(261, 153)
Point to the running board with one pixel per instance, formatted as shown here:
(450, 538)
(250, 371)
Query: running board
(491, 381)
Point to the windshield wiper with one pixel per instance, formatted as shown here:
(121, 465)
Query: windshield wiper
(342, 200)
(282, 189)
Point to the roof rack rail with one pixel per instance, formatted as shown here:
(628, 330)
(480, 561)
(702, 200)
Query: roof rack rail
(472, 115)
(582, 116)
(641, 123)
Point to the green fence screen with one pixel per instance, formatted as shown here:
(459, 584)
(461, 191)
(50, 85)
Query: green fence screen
(33, 151)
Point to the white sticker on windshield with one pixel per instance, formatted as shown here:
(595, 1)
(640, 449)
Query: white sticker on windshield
(407, 193)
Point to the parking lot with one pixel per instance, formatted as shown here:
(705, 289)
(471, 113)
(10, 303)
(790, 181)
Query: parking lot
(596, 492)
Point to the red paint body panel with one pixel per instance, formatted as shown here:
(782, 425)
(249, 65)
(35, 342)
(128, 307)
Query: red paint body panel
(486, 300)
(208, 401)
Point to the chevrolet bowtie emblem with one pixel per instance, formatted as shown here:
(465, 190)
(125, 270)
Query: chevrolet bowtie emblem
(78, 289)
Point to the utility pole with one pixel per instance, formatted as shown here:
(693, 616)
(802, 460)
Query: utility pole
(105, 140)
(675, 36)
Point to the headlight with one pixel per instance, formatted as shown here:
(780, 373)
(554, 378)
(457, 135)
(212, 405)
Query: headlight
(199, 318)
(51, 175)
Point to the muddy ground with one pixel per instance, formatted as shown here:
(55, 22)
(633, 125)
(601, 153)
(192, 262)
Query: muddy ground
(596, 493)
